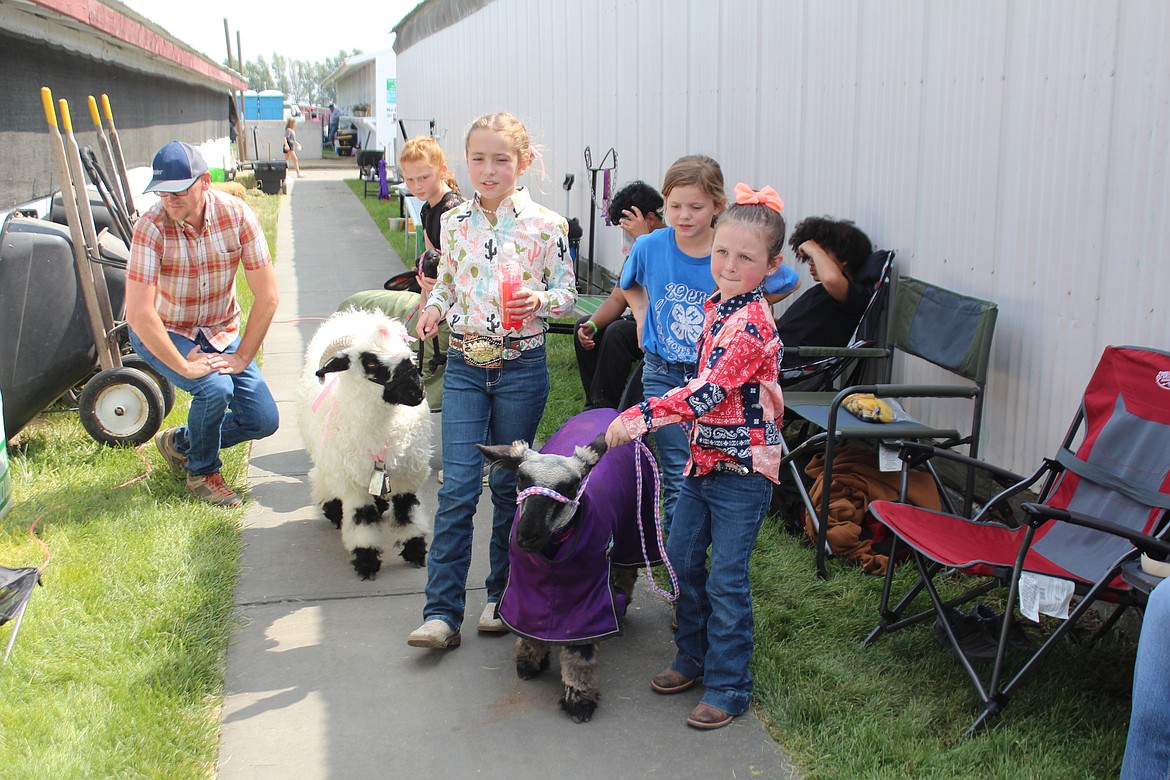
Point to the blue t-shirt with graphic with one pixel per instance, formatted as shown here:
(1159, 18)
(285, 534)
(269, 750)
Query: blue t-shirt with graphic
(784, 280)
(676, 285)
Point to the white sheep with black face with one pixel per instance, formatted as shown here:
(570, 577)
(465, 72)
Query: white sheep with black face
(362, 414)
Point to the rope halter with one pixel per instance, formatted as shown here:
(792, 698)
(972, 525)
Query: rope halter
(538, 490)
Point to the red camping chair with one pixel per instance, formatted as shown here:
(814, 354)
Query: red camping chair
(1097, 509)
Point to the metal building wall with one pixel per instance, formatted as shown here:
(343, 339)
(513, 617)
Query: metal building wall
(149, 111)
(1014, 150)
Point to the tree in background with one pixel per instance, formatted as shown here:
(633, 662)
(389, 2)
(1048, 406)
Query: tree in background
(299, 80)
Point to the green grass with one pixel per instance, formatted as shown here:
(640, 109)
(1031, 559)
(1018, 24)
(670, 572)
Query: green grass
(899, 708)
(118, 668)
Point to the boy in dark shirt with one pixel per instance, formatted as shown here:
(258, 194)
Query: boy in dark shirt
(826, 314)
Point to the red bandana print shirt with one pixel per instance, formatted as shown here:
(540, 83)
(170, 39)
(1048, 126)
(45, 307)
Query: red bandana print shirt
(735, 401)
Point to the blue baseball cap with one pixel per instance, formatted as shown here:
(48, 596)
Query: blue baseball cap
(176, 167)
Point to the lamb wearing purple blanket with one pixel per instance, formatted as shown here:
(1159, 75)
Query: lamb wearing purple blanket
(574, 554)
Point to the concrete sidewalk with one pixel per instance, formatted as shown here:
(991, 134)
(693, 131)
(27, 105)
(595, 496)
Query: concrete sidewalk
(320, 682)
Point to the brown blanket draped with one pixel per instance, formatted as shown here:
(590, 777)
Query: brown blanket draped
(856, 482)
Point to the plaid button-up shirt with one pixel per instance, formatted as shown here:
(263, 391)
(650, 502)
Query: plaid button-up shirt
(195, 273)
(735, 402)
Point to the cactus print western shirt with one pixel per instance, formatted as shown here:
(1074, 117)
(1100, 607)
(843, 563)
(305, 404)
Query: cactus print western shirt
(735, 400)
(467, 290)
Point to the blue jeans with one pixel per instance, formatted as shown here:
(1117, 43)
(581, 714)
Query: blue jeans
(1147, 750)
(480, 406)
(722, 511)
(672, 442)
(226, 409)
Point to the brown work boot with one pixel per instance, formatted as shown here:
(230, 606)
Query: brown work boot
(165, 441)
(211, 488)
(707, 717)
(670, 681)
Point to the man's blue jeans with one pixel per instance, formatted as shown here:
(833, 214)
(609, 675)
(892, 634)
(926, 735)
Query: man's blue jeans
(722, 511)
(226, 409)
(480, 406)
(672, 442)
(1147, 749)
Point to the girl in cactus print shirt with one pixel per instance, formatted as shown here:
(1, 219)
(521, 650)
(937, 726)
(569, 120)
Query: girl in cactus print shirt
(496, 382)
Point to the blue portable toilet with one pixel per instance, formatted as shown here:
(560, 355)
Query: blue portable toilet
(268, 104)
(271, 104)
(251, 105)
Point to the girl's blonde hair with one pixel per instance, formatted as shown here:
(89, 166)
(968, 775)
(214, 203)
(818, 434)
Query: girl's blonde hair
(426, 150)
(508, 126)
(696, 170)
(759, 217)
(292, 120)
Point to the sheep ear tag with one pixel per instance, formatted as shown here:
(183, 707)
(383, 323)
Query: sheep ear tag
(379, 480)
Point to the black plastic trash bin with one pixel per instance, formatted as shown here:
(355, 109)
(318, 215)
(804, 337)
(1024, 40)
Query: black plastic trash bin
(270, 175)
(344, 142)
(46, 345)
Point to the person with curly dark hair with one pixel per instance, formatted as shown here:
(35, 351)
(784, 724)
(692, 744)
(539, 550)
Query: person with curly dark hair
(607, 341)
(826, 314)
(637, 209)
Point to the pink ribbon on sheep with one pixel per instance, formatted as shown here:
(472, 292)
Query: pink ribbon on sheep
(326, 393)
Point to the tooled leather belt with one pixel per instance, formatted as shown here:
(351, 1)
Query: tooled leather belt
(489, 351)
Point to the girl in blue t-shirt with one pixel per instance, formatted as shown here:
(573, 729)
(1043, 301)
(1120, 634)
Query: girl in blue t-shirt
(666, 278)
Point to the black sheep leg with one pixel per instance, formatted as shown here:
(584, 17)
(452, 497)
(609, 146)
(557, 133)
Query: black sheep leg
(414, 549)
(367, 560)
(531, 658)
(580, 676)
(333, 511)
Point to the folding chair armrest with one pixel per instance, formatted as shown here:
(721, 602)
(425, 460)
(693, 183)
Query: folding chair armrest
(923, 391)
(1038, 514)
(1001, 475)
(913, 453)
(837, 352)
(907, 391)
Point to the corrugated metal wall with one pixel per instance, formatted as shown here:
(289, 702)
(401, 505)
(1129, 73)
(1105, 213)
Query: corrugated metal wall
(1015, 151)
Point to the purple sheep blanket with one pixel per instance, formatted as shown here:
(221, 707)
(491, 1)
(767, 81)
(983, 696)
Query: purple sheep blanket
(563, 594)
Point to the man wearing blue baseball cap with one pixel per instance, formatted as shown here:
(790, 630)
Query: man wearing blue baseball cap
(185, 321)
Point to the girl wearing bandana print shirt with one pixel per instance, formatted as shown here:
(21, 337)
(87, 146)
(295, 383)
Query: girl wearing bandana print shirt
(736, 406)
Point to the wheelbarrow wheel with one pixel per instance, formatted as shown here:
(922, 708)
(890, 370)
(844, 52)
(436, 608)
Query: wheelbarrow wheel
(168, 390)
(121, 407)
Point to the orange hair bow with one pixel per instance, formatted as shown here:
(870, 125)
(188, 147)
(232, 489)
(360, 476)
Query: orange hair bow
(746, 196)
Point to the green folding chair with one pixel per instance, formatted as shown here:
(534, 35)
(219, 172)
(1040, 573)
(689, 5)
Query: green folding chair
(949, 330)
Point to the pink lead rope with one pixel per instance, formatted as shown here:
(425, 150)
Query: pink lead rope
(640, 451)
